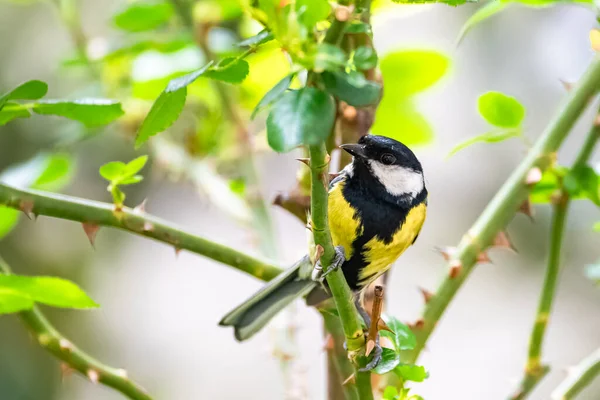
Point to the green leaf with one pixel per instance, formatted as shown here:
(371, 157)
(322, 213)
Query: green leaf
(142, 16)
(9, 218)
(230, 69)
(398, 119)
(304, 116)
(131, 180)
(358, 27)
(312, 11)
(408, 72)
(57, 173)
(402, 338)
(329, 58)
(113, 170)
(501, 110)
(365, 58)
(48, 290)
(353, 88)
(389, 360)
(261, 37)
(13, 111)
(12, 301)
(273, 94)
(596, 227)
(453, 3)
(486, 11)
(135, 166)
(488, 137)
(390, 393)
(90, 112)
(582, 181)
(542, 191)
(30, 90)
(409, 372)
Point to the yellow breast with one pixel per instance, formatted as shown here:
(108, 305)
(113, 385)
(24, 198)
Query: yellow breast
(342, 224)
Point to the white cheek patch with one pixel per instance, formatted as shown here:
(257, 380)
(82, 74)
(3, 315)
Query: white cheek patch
(398, 180)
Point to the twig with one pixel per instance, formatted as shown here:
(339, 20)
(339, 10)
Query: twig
(375, 316)
(504, 205)
(52, 341)
(578, 377)
(534, 369)
(141, 223)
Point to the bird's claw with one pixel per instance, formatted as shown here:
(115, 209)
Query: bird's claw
(377, 351)
(318, 275)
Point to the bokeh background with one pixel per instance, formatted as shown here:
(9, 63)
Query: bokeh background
(160, 311)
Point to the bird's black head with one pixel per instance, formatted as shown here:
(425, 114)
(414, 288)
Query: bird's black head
(393, 164)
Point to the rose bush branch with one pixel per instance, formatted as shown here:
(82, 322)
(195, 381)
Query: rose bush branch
(578, 377)
(534, 369)
(52, 341)
(93, 213)
(503, 206)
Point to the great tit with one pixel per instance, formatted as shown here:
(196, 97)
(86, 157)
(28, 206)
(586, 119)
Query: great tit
(376, 207)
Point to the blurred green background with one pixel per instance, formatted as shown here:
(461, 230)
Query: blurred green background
(160, 311)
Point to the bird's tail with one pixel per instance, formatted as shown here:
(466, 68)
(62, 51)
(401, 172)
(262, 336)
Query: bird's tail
(252, 315)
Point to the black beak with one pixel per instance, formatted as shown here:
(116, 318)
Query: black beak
(357, 150)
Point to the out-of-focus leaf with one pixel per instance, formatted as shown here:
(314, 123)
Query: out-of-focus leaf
(488, 137)
(365, 58)
(216, 11)
(261, 37)
(48, 290)
(409, 372)
(13, 111)
(592, 272)
(230, 69)
(358, 27)
(389, 360)
(407, 72)
(353, 88)
(135, 166)
(549, 3)
(12, 301)
(486, 11)
(398, 119)
(299, 117)
(312, 11)
(390, 393)
(273, 94)
(402, 337)
(134, 49)
(9, 217)
(329, 58)
(501, 110)
(58, 171)
(90, 112)
(30, 90)
(596, 227)
(582, 180)
(167, 107)
(131, 180)
(143, 16)
(453, 3)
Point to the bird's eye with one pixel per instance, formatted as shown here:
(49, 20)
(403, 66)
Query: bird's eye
(388, 159)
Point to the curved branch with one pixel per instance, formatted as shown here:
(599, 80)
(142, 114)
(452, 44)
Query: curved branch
(579, 377)
(51, 340)
(138, 222)
(503, 206)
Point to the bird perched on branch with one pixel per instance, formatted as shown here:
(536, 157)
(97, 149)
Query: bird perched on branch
(376, 207)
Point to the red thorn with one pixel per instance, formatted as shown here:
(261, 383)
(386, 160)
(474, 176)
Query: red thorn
(446, 252)
(93, 375)
(533, 176)
(319, 250)
(370, 347)
(382, 326)
(177, 251)
(65, 345)
(527, 209)
(91, 230)
(65, 371)
(351, 379)
(455, 269)
(503, 241)
(418, 324)
(305, 161)
(427, 295)
(148, 226)
(329, 343)
(27, 207)
(567, 85)
(483, 257)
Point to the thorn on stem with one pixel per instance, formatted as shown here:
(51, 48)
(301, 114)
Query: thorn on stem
(93, 375)
(455, 269)
(533, 176)
(446, 252)
(418, 324)
(91, 230)
(567, 85)
(382, 326)
(503, 241)
(319, 250)
(427, 295)
(27, 207)
(65, 345)
(329, 343)
(305, 161)
(177, 251)
(483, 257)
(140, 208)
(526, 208)
(121, 373)
(349, 380)
(148, 226)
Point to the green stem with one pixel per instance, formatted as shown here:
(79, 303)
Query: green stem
(534, 369)
(338, 358)
(55, 343)
(505, 203)
(141, 223)
(579, 377)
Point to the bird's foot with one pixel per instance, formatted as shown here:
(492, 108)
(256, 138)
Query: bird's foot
(318, 275)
